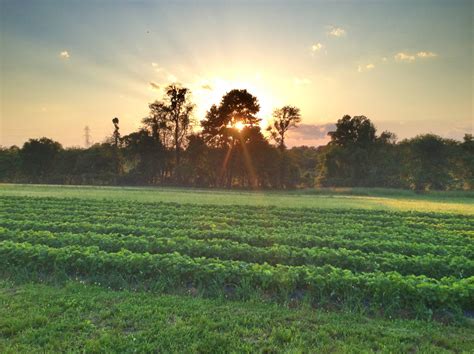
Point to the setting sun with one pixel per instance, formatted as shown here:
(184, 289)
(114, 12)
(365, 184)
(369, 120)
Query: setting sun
(239, 125)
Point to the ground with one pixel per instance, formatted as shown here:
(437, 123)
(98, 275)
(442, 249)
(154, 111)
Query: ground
(46, 305)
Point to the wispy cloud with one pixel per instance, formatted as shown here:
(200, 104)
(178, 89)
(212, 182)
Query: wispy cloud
(407, 57)
(154, 86)
(172, 78)
(301, 81)
(366, 67)
(64, 54)
(337, 32)
(404, 57)
(426, 55)
(156, 67)
(206, 87)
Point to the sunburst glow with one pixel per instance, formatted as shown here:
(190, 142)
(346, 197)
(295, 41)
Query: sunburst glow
(239, 125)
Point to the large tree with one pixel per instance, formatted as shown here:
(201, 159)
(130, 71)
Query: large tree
(356, 130)
(173, 113)
(233, 125)
(237, 108)
(38, 157)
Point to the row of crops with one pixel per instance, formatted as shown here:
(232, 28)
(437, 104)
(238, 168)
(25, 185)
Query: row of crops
(391, 261)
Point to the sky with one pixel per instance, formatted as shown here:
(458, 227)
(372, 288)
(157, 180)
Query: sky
(64, 65)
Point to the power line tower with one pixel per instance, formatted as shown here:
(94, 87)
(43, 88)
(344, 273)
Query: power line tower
(87, 136)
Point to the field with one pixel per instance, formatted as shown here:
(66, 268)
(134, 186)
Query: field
(334, 270)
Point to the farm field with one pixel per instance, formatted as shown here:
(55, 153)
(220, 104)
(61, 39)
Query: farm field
(303, 260)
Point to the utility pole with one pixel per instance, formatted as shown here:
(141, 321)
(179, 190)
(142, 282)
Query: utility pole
(87, 136)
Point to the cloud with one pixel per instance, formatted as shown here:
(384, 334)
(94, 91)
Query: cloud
(316, 47)
(206, 87)
(157, 67)
(409, 58)
(64, 54)
(154, 86)
(310, 134)
(172, 78)
(404, 57)
(426, 55)
(367, 67)
(384, 59)
(315, 131)
(337, 32)
(301, 81)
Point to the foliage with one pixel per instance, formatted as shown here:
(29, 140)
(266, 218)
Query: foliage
(231, 151)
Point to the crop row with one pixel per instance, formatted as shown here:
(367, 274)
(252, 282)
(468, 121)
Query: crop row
(354, 260)
(326, 229)
(381, 290)
(259, 240)
(238, 214)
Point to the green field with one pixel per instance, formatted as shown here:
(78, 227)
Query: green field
(180, 269)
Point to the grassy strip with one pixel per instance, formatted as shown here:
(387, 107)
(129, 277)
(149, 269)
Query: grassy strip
(84, 318)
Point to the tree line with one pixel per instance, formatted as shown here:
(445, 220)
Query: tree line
(231, 151)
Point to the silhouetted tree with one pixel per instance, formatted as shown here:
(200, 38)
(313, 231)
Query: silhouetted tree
(220, 121)
(10, 164)
(427, 161)
(157, 123)
(180, 109)
(357, 130)
(466, 162)
(38, 157)
(146, 156)
(283, 119)
(219, 129)
(116, 134)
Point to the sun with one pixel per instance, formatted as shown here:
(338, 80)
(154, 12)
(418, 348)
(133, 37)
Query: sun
(239, 125)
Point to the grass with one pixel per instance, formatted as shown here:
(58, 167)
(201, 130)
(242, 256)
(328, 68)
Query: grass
(76, 317)
(385, 199)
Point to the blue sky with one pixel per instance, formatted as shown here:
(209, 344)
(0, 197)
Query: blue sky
(407, 65)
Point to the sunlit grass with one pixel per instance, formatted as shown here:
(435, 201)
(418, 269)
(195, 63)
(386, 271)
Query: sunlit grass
(446, 202)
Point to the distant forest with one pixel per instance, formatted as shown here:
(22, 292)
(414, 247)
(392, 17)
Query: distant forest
(230, 151)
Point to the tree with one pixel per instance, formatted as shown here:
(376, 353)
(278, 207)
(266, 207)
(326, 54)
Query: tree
(116, 134)
(38, 157)
(357, 130)
(427, 162)
(284, 118)
(10, 164)
(180, 109)
(157, 123)
(171, 118)
(237, 106)
(146, 156)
